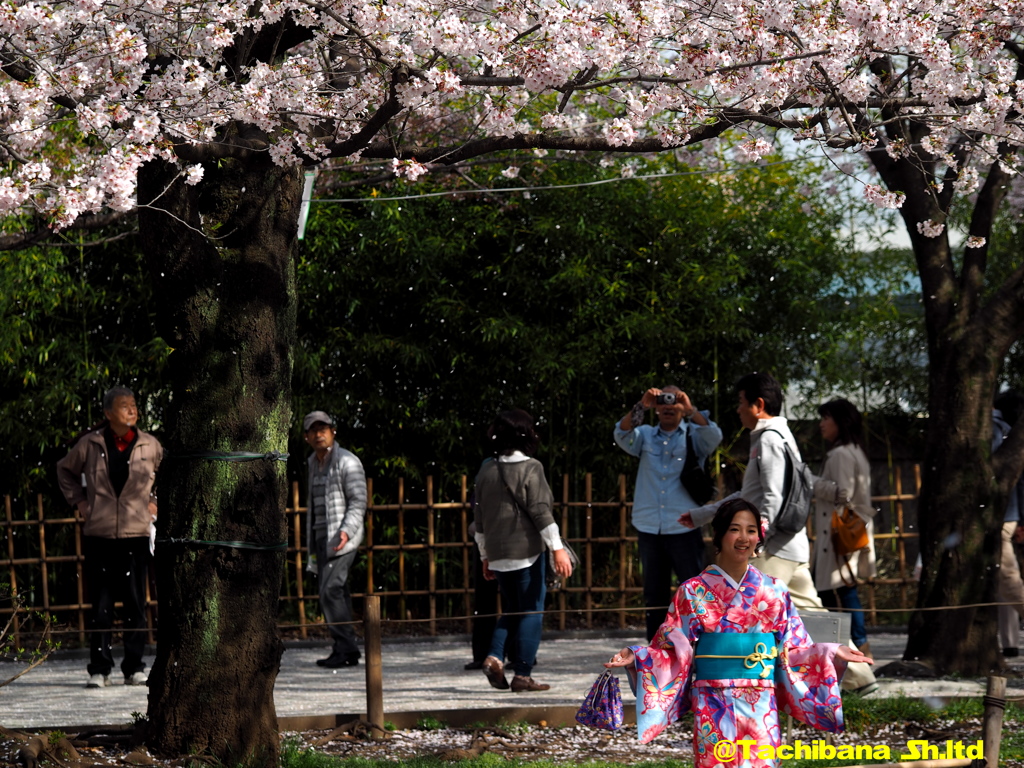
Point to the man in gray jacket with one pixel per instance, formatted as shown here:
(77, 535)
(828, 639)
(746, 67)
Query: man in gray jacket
(108, 477)
(334, 530)
(787, 556)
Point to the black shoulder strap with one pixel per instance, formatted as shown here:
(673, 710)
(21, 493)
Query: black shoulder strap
(787, 478)
(516, 501)
(691, 457)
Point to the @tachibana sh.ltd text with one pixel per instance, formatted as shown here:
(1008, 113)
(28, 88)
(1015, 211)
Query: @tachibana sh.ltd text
(916, 749)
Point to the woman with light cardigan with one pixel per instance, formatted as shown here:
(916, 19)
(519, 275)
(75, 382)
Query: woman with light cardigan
(845, 482)
(514, 527)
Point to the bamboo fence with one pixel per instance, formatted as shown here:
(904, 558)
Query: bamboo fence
(418, 557)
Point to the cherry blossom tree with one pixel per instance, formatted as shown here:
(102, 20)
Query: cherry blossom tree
(199, 115)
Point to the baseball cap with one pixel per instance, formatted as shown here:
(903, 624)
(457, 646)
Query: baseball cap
(313, 417)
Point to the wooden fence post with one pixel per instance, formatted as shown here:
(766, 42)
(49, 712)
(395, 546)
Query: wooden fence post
(374, 667)
(992, 722)
(16, 622)
(300, 590)
(431, 558)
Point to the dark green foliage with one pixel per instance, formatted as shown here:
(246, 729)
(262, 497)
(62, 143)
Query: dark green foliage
(74, 322)
(421, 319)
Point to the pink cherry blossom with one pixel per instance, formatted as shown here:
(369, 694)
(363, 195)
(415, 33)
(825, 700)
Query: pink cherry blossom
(930, 228)
(92, 88)
(883, 199)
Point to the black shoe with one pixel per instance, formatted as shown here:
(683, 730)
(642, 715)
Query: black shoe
(1010, 652)
(337, 660)
(474, 665)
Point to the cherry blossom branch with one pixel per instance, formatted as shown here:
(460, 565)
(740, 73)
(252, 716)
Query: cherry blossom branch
(86, 222)
(972, 275)
(508, 82)
(16, 69)
(18, 158)
(523, 34)
(429, 154)
(201, 233)
(378, 54)
(385, 112)
(222, 149)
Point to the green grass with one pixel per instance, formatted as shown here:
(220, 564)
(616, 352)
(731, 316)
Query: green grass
(862, 715)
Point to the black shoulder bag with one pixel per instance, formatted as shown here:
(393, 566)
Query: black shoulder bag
(694, 478)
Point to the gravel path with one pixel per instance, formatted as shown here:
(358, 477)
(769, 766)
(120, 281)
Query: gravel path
(418, 677)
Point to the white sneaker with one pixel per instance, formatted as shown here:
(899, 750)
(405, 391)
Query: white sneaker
(137, 678)
(98, 681)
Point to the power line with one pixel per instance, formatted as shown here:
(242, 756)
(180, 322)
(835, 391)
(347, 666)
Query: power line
(549, 187)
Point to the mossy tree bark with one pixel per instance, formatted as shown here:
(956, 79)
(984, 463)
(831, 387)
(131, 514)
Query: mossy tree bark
(970, 327)
(221, 255)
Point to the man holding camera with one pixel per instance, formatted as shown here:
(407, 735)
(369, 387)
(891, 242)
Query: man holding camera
(660, 497)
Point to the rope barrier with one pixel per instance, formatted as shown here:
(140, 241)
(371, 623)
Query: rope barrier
(233, 456)
(992, 701)
(230, 544)
(553, 612)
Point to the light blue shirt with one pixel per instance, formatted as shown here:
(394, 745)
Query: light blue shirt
(660, 498)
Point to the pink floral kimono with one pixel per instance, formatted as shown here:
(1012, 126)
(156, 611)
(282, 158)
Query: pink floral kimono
(744, 702)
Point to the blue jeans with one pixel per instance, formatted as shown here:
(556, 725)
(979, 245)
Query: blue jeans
(848, 598)
(660, 555)
(521, 591)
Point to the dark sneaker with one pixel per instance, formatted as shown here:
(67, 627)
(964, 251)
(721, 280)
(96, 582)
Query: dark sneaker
(520, 684)
(495, 672)
(338, 660)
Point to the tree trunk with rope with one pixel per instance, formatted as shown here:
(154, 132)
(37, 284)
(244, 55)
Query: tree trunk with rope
(970, 329)
(221, 256)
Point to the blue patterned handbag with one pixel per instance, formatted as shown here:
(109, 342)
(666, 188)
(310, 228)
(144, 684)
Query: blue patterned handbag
(603, 706)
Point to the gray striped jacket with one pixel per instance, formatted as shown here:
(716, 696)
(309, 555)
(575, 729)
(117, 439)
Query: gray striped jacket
(344, 496)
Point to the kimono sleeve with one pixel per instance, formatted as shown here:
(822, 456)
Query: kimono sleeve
(660, 677)
(807, 682)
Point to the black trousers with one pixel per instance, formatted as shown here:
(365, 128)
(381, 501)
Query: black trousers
(115, 570)
(485, 601)
(660, 555)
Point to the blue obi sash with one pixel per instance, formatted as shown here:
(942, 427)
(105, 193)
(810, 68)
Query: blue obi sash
(736, 655)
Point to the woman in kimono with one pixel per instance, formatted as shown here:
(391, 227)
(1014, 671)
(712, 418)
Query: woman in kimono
(734, 651)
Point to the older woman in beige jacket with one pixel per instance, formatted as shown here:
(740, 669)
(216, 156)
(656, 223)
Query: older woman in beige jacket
(845, 482)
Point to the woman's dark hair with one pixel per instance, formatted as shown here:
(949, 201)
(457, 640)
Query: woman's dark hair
(723, 519)
(847, 418)
(1010, 405)
(513, 431)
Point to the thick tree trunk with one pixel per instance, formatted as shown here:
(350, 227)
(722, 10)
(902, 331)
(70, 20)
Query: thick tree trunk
(959, 517)
(960, 510)
(222, 261)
